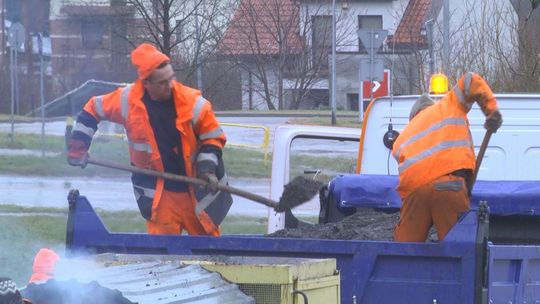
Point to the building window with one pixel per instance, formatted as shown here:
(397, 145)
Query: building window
(13, 9)
(322, 40)
(352, 101)
(91, 33)
(368, 22)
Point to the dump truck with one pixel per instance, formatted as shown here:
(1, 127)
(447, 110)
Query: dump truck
(492, 255)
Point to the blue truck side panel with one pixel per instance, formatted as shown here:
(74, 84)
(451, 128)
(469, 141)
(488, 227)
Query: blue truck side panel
(371, 272)
(514, 274)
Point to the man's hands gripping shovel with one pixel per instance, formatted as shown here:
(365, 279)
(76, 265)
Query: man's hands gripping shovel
(77, 154)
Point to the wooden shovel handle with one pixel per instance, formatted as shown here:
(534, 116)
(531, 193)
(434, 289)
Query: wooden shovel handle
(480, 157)
(186, 179)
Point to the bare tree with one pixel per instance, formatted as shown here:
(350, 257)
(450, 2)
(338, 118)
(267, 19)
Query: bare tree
(492, 38)
(495, 39)
(406, 54)
(527, 39)
(312, 65)
(263, 36)
(477, 38)
(187, 31)
(282, 48)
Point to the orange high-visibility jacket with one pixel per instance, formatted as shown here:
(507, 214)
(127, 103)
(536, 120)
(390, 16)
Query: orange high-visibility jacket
(195, 121)
(437, 141)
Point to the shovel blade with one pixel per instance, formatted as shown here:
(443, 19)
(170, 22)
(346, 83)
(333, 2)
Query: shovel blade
(297, 192)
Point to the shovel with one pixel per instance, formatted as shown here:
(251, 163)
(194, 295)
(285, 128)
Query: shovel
(293, 195)
(479, 158)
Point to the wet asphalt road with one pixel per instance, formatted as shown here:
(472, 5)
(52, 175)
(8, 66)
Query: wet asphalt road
(116, 193)
(112, 194)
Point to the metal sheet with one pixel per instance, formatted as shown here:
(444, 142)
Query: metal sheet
(158, 282)
(366, 72)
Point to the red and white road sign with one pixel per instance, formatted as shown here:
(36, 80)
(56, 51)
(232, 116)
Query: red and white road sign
(379, 88)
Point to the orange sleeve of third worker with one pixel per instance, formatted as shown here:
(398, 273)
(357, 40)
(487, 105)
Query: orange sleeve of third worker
(478, 90)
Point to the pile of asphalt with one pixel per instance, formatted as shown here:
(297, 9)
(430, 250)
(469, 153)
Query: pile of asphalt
(365, 224)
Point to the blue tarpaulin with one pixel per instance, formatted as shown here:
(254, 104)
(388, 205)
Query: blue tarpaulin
(379, 191)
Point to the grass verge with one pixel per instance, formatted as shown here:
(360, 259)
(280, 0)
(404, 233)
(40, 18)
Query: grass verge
(239, 162)
(26, 230)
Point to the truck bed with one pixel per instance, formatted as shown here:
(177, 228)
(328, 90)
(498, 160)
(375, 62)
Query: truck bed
(514, 206)
(371, 271)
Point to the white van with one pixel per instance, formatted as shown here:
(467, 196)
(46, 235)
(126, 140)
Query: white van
(513, 153)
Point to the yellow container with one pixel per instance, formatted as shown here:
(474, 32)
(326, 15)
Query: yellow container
(273, 280)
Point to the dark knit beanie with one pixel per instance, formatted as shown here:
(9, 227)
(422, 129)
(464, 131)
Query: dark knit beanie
(423, 102)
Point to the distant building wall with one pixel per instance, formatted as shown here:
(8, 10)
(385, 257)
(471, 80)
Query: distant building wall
(33, 15)
(347, 13)
(253, 92)
(87, 42)
(348, 50)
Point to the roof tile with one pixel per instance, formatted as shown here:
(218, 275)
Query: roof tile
(408, 30)
(255, 28)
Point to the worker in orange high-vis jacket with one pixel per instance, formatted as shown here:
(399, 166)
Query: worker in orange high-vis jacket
(44, 265)
(170, 128)
(435, 156)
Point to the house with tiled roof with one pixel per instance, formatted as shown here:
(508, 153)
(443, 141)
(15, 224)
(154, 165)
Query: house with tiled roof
(253, 33)
(254, 19)
(408, 31)
(405, 50)
(264, 38)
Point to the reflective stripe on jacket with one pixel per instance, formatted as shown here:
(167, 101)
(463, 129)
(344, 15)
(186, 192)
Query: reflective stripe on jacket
(437, 141)
(195, 121)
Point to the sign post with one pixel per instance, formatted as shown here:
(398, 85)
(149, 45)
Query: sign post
(379, 88)
(16, 40)
(371, 69)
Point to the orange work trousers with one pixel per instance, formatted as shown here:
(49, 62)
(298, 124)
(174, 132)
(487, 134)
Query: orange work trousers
(176, 212)
(438, 203)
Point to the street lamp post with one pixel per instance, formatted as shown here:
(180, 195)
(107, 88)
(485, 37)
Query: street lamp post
(446, 36)
(16, 39)
(41, 92)
(429, 32)
(333, 62)
(197, 52)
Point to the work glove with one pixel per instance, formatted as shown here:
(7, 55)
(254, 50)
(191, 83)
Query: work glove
(212, 180)
(493, 121)
(77, 154)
